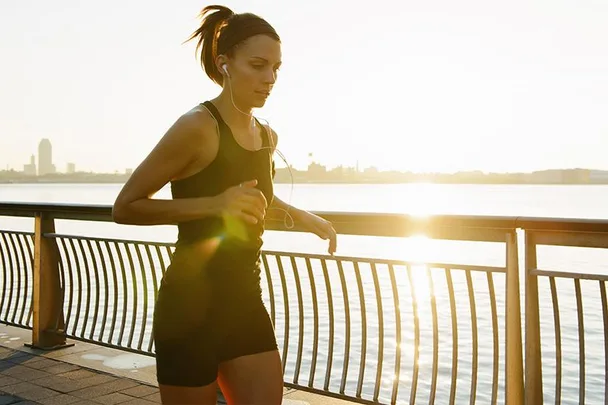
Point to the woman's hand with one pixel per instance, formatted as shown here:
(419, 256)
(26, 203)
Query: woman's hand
(320, 227)
(243, 201)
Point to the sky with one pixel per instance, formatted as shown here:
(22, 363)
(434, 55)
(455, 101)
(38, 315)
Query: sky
(433, 85)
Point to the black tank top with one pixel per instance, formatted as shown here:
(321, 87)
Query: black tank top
(238, 243)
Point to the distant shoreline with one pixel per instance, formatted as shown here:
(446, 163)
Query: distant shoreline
(540, 183)
(349, 176)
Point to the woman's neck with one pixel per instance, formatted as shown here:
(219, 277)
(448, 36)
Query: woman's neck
(234, 114)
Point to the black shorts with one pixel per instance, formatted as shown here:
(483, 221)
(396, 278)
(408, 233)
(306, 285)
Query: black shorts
(192, 335)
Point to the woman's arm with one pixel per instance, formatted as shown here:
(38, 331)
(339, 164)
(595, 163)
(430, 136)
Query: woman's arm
(191, 140)
(177, 149)
(310, 222)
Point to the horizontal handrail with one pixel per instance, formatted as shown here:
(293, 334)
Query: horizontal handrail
(468, 227)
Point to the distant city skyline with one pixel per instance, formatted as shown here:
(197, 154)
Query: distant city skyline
(45, 163)
(437, 87)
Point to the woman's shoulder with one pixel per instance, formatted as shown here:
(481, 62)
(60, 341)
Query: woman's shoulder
(195, 123)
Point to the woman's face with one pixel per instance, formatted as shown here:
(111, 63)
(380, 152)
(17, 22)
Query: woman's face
(253, 70)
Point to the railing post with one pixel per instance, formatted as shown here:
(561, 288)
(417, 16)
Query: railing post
(514, 381)
(47, 295)
(534, 372)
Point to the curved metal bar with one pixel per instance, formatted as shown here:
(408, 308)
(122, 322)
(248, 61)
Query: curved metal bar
(134, 285)
(144, 282)
(448, 275)
(433, 389)
(416, 336)
(96, 302)
(79, 276)
(363, 331)
(330, 352)
(315, 314)
(495, 345)
(397, 375)
(20, 241)
(474, 332)
(5, 285)
(558, 342)
(347, 327)
(605, 322)
(115, 284)
(581, 341)
(106, 287)
(294, 267)
(286, 306)
(123, 272)
(380, 333)
(88, 279)
(30, 248)
(70, 276)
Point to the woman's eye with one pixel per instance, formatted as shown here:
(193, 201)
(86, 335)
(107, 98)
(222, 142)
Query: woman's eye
(259, 67)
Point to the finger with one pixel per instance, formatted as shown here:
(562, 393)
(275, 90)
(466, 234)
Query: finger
(249, 183)
(248, 217)
(250, 206)
(259, 197)
(254, 200)
(333, 243)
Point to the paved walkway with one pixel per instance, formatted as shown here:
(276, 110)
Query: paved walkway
(89, 374)
(32, 379)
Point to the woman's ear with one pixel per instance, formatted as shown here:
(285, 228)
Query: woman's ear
(221, 64)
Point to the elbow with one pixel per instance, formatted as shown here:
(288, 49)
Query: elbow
(117, 215)
(120, 213)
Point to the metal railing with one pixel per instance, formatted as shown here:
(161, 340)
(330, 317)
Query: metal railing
(365, 329)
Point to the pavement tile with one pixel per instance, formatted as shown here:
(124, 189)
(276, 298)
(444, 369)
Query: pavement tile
(104, 389)
(18, 388)
(60, 399)
(140, 391)
(37, 393)
(6, 380)
(113, 398)
(154, 398)
(60, 368)
(78, 374)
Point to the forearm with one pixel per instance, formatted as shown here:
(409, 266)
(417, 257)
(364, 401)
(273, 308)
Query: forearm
(148, 211)
(279, 208)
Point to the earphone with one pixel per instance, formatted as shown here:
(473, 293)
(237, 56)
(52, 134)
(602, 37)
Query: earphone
(272, 147)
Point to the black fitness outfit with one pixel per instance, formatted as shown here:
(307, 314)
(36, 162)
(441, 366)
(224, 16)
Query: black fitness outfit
(209, 307)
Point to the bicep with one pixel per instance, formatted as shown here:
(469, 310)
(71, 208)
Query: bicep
(171, 155)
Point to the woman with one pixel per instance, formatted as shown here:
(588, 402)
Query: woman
(210, 323)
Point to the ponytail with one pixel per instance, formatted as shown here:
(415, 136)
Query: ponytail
(207, 34)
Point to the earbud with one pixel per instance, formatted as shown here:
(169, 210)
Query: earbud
(225, 67)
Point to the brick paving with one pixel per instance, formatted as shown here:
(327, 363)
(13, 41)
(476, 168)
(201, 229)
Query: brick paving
(27, 378)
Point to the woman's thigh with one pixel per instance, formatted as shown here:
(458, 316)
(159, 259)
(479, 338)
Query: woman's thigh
(171, 394)
(252, 379)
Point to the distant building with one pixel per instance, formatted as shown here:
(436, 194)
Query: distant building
(45, 158)
(71, 168)
(128, 172)
(30, 169)
(598, 176)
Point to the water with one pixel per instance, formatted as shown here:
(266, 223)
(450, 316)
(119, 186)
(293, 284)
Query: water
(419, 199)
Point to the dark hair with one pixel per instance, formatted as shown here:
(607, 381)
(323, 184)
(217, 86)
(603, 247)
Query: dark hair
(221, 31)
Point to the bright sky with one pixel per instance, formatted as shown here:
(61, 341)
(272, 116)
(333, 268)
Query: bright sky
(435, 85)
